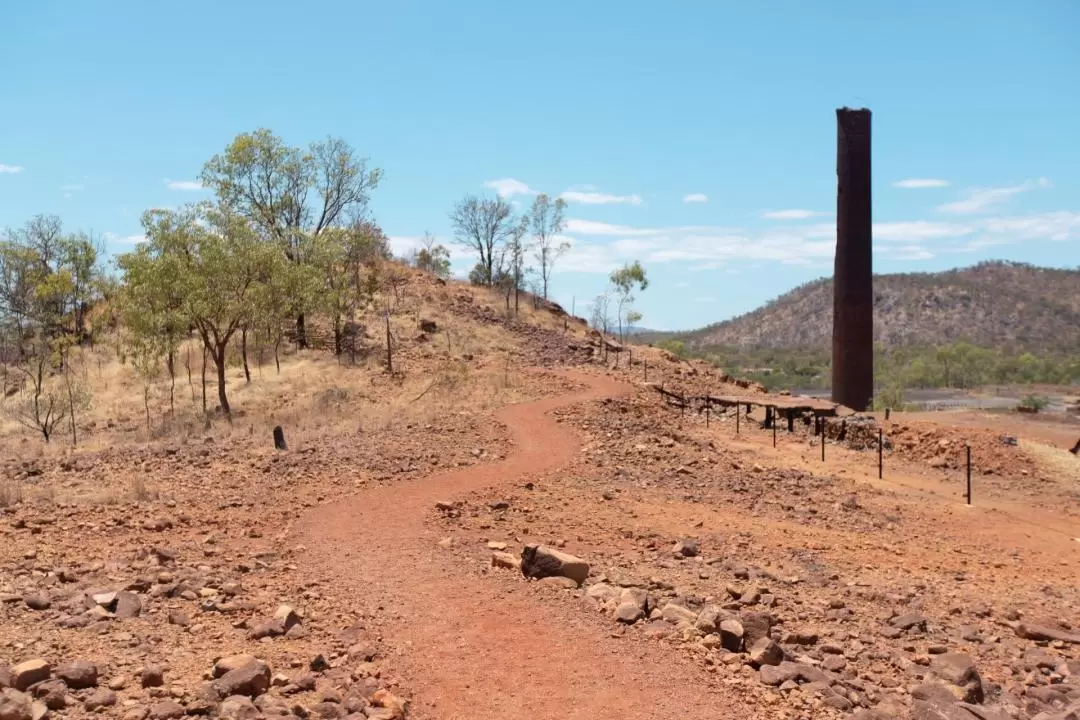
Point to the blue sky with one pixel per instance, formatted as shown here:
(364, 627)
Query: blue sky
(697, 137)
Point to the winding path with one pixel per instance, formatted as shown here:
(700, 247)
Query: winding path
(479, 649)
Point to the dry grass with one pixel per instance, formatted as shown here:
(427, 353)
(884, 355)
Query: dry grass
(11, 493)
(1059, 463)
(467, 365)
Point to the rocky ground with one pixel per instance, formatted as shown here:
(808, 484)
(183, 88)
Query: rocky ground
(165, 579)
(828, 595)
(133, 578)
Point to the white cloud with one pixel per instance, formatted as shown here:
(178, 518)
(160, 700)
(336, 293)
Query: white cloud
(11, 169)
(918, 230)
(791, 214)
(980, 200)
(586, 197)
(592, 227)
(119, 243)
(509, 187)
(183, 184)
(696, 198)
(598, 247)
(920, 183)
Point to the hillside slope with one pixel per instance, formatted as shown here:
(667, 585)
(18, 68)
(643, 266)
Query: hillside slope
(993, 304)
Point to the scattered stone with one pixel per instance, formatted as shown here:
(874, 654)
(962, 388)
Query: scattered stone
(629, 613)
(732, 634)
(100, 698)
(959, 670)
(385, 699)
(166, 710)
(1045, 631)
(687, 547)
(152, 676)
(766, 652)
(676, 614)
(909, 621)
(506, 561)
(78, 674)
(540, 561)
(251, 680)
(268, 628)
(287, 616)
(232, 662)
(53, 693)
(27, 673)
(755, 626)
(38, 601)
(15, 705)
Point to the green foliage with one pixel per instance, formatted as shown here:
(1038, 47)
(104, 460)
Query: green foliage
(624, 281)
(48, 279)
(202, 266)
(546, 219)
(432, 257)
(1035, 402)
(675, 347)
(959, 365)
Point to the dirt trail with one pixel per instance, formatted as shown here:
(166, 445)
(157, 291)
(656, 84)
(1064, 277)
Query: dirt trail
(480, 649)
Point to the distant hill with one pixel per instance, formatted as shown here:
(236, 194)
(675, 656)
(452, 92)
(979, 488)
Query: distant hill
(993, 304)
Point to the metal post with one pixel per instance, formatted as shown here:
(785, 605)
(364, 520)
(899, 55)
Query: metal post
(822, 439)
(646, 363)
(880, 461)
(968, 474)
(774, 431)
(707, 406)
(737, 413)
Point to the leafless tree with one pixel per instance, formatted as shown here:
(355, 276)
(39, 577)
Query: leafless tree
(546, 220)
(485, 226)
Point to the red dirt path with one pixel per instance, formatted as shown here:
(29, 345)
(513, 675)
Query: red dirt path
(473, 649)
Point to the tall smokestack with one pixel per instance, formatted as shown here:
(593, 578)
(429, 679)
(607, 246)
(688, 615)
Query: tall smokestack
(853, 274)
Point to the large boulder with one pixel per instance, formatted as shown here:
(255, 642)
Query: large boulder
(540, 561)
(29, 672)
(959, 670)
(251, 680)
(78, 674)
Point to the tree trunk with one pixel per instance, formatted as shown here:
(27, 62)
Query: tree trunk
(187, 366)
(337, 336)
(389, 351)
(146, 405)
(71, 410)
(301, 332)
(243, 354)
(277, 356)
(170, 362)
(219, 361)
(204, 380)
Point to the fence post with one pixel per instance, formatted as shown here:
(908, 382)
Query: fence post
(707, 406)
(968, 474)
(822, 439)
(646, 363)
(774, 430)
(737, 413)
(880, 457)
